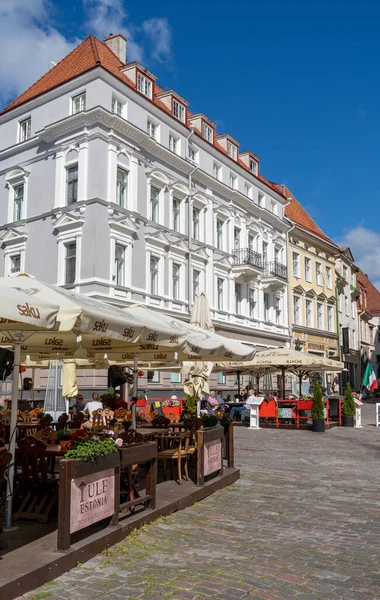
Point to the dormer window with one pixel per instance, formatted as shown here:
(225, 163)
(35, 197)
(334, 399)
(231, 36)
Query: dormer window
(178, 110)
(253, 167)
(231, 150)
(207, 132)
(144, 85)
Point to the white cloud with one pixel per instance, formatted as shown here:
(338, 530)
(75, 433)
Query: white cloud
(32, 40)
(365, 247)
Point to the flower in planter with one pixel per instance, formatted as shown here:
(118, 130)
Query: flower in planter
(119, 442)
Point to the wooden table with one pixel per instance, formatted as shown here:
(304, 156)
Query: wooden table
(151, 432)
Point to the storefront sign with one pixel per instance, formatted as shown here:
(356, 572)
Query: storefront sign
(212, 455)
(92, 499)
(313, 346)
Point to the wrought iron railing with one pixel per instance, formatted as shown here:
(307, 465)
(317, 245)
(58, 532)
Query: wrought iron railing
(276, 269)
(246, 256)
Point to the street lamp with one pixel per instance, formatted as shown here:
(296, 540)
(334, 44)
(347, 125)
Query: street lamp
(298, 344)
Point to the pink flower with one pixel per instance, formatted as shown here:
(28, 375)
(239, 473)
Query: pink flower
(119, 442)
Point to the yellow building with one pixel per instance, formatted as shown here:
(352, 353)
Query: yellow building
(312, 284)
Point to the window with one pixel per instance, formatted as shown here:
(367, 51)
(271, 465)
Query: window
(117, 106)
(176, 214)
(319, 316)
(78, 103)
(70, 259)
(176, 280)
(152, 129)
(219, 234)
(309, 313)
(175, 377)
(253, 167)
(220, 379)
(72, 184)
(154, 275)
(196, 280)
(144, 85)
(328, 278)
(346, 305)
(233, 181)
(154, 203)
(296, 310)
(178, 110)
(153, 376)
(265, 252)
(354, 339)
(173, 143)
(18, 191)
(207, 132)
(345, 273)
(196, 217)
(318, 272)
(266, 306)
(193, 153)
(25, 129)
(353, 280)
(252, 301)
(330, 321)
(278, 310)
(121, 187)
(120, 264)
(353, 309)
(248, 190)
(231, 150)
(273, 207)
(238, 298)
(217, 171)
(308, 269)
(296, 264)
(220, 288)
(15, 263)
(236, 238)
(260, 199)
(251, 242)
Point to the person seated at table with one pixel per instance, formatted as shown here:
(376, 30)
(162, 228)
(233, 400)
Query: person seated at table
(219, 397)
(239, 409)
(79, 404)
(93, 404)
(212, 403)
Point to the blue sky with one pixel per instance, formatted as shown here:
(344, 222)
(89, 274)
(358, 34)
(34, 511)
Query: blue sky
(296, 82)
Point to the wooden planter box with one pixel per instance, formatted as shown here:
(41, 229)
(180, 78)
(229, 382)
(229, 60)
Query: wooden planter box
(209, 452)
(88, 492)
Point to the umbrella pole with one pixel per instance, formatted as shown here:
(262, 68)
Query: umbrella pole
(238, 383)
(283, 383)
(135, 379)
(300, 384)
(12, 437)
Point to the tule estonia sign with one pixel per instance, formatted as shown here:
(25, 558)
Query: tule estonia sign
(92, 499)
(212, 456)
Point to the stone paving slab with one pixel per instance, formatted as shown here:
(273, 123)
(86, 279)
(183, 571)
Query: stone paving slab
(302, 523)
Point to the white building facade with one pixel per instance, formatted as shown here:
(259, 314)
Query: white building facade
(112, 188)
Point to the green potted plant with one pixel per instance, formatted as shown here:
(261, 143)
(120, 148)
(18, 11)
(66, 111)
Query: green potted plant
(64, 437)
(318, 412)
(189, 409)
(88, 447)
(209, 420)
(348, 407)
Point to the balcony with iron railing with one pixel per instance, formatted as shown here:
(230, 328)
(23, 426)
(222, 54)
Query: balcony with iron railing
(247, 256)
(276, 270)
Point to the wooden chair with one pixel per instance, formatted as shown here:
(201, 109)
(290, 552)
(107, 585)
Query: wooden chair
(160, 422)
(77, 420)
(46, 421)
(122, 414)
(177, 451)
(97, 418)
(37, 485)
(47, 435)
(107, 415)
(128, 475)
(62, 421)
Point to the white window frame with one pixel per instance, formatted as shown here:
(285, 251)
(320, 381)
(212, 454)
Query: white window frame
(295, 264)
(124, 203)
(330, 318)
(176, 214)
(353, 309)
(266, 306)
(154, 203)
(68, 168)
(252, 301)
(308, 269)
(14, 245)
(320, 316)
(296, 310)
(238, 298)
(220, 283)
(278, 309)
(220, 378)
(123, 260)
(329, 278)
(318, 274)
(346, 306)
(207, 132)
(179, 110)
(196, 281)
(118, 106)
(217, 171)
(309, 303)
(66, 246)
(261, 199)
(18, 202)
(193, 153)
(175, 377)
(174, 143)
(237, 238)
(144, 85)
(196, 223)
(248, 190)
(153, 379)
(233, 180)
(176, 280)
(24, 129)
(219, 234)
(154, 288)
(152, 129)
(81, 99)
(231, 150)
(253, 167)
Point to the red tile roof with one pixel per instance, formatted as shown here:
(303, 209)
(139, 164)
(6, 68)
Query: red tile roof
(296, 213)
(92, 53)
(373, 294)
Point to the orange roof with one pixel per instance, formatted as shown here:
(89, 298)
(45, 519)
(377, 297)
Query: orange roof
(373, 294)
(296, 213)
(92, 53)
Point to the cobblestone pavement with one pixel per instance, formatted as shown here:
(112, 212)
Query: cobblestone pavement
(303, 523)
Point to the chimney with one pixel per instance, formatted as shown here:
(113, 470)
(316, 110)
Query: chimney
(118, 44)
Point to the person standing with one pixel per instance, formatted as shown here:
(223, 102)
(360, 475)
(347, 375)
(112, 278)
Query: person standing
(93, 404)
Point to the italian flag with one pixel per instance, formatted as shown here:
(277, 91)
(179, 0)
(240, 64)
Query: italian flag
(369, 379)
